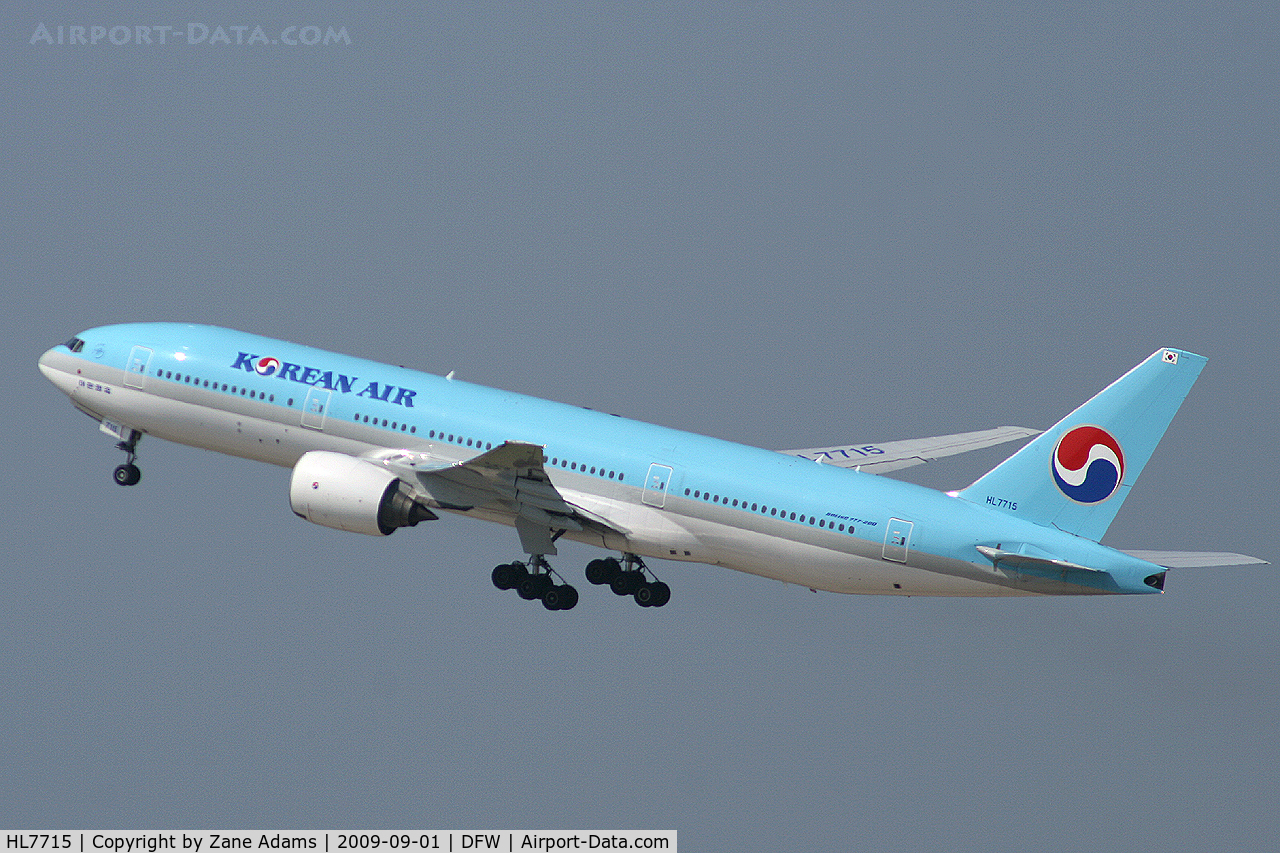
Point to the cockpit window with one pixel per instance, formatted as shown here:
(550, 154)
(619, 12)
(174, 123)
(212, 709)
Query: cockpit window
(75, 345)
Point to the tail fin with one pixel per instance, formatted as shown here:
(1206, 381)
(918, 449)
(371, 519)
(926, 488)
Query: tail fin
(1075, 475)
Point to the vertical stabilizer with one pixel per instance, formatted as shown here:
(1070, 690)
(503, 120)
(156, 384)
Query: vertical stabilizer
(1075, 475)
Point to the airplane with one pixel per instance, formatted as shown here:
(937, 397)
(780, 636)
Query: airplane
(374, 448)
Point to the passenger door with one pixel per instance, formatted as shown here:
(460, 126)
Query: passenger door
(135, 369)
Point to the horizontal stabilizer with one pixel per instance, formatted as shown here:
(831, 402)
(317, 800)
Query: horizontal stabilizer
(1017, 562)
(1195, 559)
(892, 455)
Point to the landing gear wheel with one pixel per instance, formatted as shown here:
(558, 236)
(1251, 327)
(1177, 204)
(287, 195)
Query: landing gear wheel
(527, 587)
(602, 571)
(507, 575)
(533, 586)
(626, 583)
(127, 474)
(653, 594)
(562, 597)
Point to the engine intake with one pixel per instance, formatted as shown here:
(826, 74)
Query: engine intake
(345, 493)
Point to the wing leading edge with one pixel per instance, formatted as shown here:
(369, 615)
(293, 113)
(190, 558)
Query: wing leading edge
(509, 478)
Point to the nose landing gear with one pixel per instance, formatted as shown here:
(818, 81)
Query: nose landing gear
(128, 474)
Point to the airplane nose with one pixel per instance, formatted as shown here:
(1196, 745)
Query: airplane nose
(45, 366)
(64, 381)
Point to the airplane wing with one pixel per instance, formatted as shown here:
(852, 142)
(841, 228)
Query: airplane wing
(510, 478)
(1195, 559)
(892, 455)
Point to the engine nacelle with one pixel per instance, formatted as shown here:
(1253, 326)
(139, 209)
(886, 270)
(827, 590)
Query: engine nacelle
(346, 493)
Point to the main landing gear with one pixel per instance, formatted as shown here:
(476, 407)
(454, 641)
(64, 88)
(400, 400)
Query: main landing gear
(535, 581)
(629, 580)
(128, 474)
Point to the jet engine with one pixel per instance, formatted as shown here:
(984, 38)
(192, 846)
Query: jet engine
(346, 493)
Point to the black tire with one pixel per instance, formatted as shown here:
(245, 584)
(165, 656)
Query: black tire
(598, 572)
(644, 595)
(504, 576)
(127, 475)
(562, 597)
(529, 586)
(661, 593)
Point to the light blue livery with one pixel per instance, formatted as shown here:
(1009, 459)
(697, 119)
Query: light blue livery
(374, 448)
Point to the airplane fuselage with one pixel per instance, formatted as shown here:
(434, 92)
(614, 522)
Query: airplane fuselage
(664, 493)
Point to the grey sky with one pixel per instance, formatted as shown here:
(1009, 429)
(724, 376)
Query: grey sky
(783, 224)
